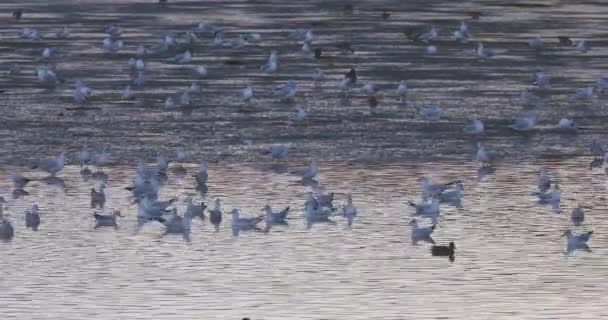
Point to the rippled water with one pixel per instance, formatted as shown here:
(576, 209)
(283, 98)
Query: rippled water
(509, 262)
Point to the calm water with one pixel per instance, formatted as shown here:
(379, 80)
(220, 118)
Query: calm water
(509, 263)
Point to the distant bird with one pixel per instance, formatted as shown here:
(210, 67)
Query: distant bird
(82, 92)
(202, 176)
(182, 58)
(244, 224)
(17, 14)
(107, 220)
(544, 180)
(524, 122)
(483, 53)
(247, 94)
(536, 43)
(32, 218)
(583, 46)
(309, 172)
(567, 124)
(98, 197)
(431, 50)
(275, 218)
(19, 181)
(297, 115)
(385, 15)
(430, 113)
(584, 93)
(195, 210)
(552, 197)
(215, 214)
(63, 33)
(565, 41)
(52, 165)
(349, 211)
(401, 90)
(177, 224)
(427, 208)
(421, 233)
(578, 216)
(201, 71)
(484, 155)
(318, 75)
(474, 126)
(443, 251)
(576, 241)
(277, 151)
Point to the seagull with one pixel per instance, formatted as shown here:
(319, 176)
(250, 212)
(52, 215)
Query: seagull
(195, 210)
(566, 124)
(32, 218)
(215, 214)
(452, 196)
(431, 50)
(162, 163)
(288, 90)
(98, 197)
(277, 151)
(524, 122)
(430, 113)
(349, 211)
(127, 94)
(182, 58)
(484, 155)
(536, 43)
(483, 53)
(540, 79)
(253, 37)
(474, 126)
(247, 94)
(401, 90)
(181, 154)
(19, 181)
(84, 156)
(218, 38)
(46, 76)
(583, 46)
(200, 71)
(82, 92)
(597, 149)
(430, 189)
(202, 176)
(427, 208)
(544, 180)
(425, 37)
(576, 241)
(272, 64)
(320, 214)
(602, 84)
(63, 33)
(421, 233)
(47, 53)
(318, 75)
(309, 172)
(578, 216)
(585, 93)
(106, 220)
(552, 197)
(6, 228)
(297, 115)
(275, 218)
(52, 165)
(112, 45)
(176, 224)
(102, 158)
(244, 224)
(369, 89)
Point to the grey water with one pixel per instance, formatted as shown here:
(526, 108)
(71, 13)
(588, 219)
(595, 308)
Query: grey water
(510, 261)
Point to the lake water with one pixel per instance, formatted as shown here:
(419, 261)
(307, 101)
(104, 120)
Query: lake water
(510, 260)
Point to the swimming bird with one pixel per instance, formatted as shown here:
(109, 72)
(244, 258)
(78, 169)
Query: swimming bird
(287, 91)
(47, 77)
(443, 251)
(195, 210)
(63, 33)
(215, 214)
(176, 224)
(349, 211)
(247, 94)
(430, 113)
(98, 197)
(112, 45)
(107, 220)
(6, 228)
(309, 172)
(536, 43)
(544, 180)
(277, 151)
(318, 215)
(567, 124)
(202, 176)
(182, 58)
(430, 189)
(584, 93)
(201, 71)
(52, 165)
(484, 155)
(102, 158)
(19, 181)
(583, 46)
(551, 197)
(598, 150)
(474, 126)
(218, 39)
(239, 224)
(17, 14)
(431, 50)
(162, 163)
(524, 122)
(576, 241)
(253, 37)
(32, 218)
(317, 75)
(425, 37)
(484, 53)
(181, 154)
(578, 216)
(421, 233)
(297, 115)
(272, 64)
(427, 208)
(401, 90)
(540, 79)
(82, 92)
(275, 218)
(127, 94)
(452, 195)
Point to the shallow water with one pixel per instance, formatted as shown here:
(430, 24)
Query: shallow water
(509, 262)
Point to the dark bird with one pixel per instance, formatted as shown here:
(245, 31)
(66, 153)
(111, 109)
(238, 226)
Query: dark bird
(373, 102)
(385, 15)
(352, 75)
(17, 14)
(565, 41)
(443, 251)
(318, 53)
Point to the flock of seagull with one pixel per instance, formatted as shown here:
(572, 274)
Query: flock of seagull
(319, 207)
